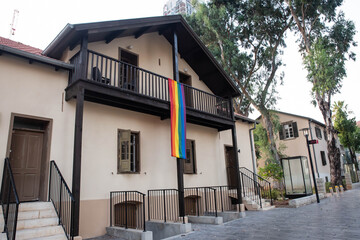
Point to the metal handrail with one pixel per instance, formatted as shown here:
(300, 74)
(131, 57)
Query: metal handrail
(163, 205)
(9, 201)
(62, 199)
(127, 197)
(259, 182)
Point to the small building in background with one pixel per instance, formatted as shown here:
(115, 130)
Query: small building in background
(173, 7)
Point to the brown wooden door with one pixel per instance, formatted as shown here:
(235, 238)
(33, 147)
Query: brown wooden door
(25, 159)
(231, 170)
(190, 205)
(120, 215)
(186, 79)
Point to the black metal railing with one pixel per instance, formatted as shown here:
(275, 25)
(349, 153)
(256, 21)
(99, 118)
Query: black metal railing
(226, 198)
(112, 72)
(201, 201)
(163, 205)
(127, 209)
(265, 186)
(62, 199)
(9, 201)
(250, 189)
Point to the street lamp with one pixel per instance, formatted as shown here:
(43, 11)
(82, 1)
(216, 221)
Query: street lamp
(306, 134)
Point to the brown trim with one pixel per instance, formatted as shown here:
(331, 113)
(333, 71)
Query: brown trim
(126, 50)
(46, 149)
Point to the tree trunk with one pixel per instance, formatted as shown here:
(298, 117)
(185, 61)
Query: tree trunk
(269, 126)
(353, 159)
(333, 150)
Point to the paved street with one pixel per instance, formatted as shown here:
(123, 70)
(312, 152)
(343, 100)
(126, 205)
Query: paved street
(333, 218)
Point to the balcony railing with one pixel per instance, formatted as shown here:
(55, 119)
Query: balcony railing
(127, 209)
(112, 72)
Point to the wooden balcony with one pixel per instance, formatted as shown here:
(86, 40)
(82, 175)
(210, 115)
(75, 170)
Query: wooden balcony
(115, 83)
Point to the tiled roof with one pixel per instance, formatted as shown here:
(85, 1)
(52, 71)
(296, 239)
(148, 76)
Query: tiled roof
(20, 46)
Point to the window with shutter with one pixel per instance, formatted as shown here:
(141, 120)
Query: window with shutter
(318, 132)
(128, 152)
(323, 158)
(288, 130)
(190, 161)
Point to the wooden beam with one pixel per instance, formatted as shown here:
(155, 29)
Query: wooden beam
(76, 178)
(113, 35)
(235, 147)
(83, 57)
(141, 32)
(73, 44)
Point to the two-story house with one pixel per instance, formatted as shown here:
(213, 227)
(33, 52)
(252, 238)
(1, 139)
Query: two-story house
(96, 101)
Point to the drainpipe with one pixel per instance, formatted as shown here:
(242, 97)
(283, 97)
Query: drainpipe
(313, 147)
(252, 148)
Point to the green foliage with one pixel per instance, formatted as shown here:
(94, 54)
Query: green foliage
(348, 132)
(327, 186)
(272, 171)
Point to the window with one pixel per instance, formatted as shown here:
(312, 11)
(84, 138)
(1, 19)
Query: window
(323, 158)
(190, 161)
(325, 135)
(128, 152)
(318, 132)
(288, 130)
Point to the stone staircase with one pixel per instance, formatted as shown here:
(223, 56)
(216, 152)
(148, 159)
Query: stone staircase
(37, 220)
(251, 205)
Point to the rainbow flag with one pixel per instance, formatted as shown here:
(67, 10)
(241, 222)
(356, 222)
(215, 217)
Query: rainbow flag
(178, 119)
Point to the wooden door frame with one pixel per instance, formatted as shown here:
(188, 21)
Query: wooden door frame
(227, 177)
(45, 160)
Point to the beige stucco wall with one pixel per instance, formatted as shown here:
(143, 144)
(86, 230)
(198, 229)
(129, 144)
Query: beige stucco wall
(36, 90)
(297, 146)
(243, 142)
(158, 169)
(150, 48)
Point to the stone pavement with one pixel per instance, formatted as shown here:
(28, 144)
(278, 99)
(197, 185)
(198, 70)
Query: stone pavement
(333, 218)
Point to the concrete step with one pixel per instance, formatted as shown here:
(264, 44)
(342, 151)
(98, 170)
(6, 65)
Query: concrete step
(37, 223)
(35, 206)
(39, 232)
(45, 213)
(54, 237)
(267, 208)
(3, 236)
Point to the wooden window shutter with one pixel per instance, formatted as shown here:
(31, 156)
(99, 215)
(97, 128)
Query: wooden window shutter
(124, 151)
(189, 161)
(281, 132)
(295, 129)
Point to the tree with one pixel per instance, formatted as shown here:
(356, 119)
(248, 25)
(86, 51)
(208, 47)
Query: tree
(348, 132)
(247, 37)
(325, 39)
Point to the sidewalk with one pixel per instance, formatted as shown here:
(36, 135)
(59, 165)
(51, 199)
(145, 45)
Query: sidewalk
(333, 218)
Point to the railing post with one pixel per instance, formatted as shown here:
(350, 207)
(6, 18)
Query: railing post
(111, 208)
(149, 205)
(206, 209)
(60, 200)
(8, 205)
(271, 200)
(215, 202)
(126, 210)
(221, 196)
(50, 179)
(144, 212)
(164, 205)
(197, 201)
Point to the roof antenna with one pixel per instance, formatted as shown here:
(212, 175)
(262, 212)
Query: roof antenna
(14, 23)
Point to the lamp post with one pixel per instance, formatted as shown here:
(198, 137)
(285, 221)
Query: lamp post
(306, 134)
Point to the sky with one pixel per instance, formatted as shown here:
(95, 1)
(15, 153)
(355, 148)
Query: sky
(39, 22)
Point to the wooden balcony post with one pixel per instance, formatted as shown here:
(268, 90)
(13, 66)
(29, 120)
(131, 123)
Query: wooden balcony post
(235, 147)
(83, 57)
(77, 158)
(179, 161)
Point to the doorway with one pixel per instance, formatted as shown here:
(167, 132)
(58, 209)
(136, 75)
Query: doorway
(128, 72)
(231, 170)
(28, 154)
(186, 79)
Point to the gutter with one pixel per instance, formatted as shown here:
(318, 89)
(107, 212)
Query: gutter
(252, 147)
(58, 39)
(37, 58)
(313, 147)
